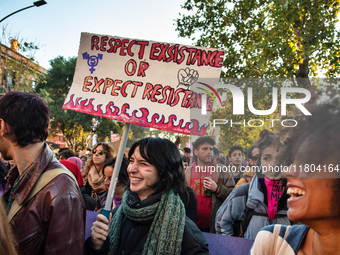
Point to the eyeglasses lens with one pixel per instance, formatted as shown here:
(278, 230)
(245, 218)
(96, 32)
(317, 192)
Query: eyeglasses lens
(100, 152)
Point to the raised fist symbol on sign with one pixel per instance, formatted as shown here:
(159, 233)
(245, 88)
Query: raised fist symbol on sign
(187, 77)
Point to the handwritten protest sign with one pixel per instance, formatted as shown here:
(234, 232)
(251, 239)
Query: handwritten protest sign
(141, 82)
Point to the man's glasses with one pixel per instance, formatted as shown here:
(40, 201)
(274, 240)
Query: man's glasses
(100, 152)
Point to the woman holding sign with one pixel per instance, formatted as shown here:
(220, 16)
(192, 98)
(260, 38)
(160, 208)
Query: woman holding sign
(151, 218)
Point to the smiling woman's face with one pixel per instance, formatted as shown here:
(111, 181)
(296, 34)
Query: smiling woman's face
(313, 195)
(142, 174)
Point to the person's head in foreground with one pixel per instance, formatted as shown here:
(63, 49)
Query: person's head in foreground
(151, 209)
(313, 182)
(24, 121)
(40, 196)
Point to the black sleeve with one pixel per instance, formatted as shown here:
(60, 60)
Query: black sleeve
(90, 203)
(193, 240)
(190, 203)
(90, 250)
(87, 189)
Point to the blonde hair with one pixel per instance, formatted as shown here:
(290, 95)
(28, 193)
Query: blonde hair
(7, 242)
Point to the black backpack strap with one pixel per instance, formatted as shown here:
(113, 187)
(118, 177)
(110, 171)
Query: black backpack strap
(247, 215)
(240, 227)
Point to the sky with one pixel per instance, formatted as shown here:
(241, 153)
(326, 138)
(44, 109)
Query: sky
(56, 26)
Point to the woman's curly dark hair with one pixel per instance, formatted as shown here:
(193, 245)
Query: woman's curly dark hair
(322, 129)
(320, 134)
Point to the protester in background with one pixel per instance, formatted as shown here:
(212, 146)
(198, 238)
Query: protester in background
(235, 157)
(216, 152)
(8, 164)
(51, 222)
(314, 195)
(77, 161)
(178, 142)
(181, 152)
(259, 203)
(74, 168)
(7, 242)
(250, 170)
(221, 158)
(65, 154)
(83, 162)
(187, 152)
(123, 179)
(90, 203)
(93, 174)
(3, 182)
(186, 163)
(211, 187)
(151, 211)
(187, 156)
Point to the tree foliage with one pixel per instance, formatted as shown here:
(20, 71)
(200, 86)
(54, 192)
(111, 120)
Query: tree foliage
(267, 38)
(140, 132)
(77, 128)
(243, 130)
(293, 39)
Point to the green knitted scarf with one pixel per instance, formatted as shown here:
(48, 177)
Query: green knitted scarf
(167, 228)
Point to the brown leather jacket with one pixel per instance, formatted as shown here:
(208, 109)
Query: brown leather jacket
(52, 222)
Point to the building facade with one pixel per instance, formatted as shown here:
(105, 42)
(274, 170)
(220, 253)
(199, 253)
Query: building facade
(18, 72)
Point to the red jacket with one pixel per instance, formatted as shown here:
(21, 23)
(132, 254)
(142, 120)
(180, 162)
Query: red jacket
(52, 222)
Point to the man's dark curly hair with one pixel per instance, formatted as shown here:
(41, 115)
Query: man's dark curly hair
(235, 148)
(27, 116)
(202, 140)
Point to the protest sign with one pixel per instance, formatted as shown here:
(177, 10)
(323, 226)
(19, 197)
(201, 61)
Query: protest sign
(142, 82)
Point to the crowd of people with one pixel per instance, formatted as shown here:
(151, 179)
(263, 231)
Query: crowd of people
(165, 195)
